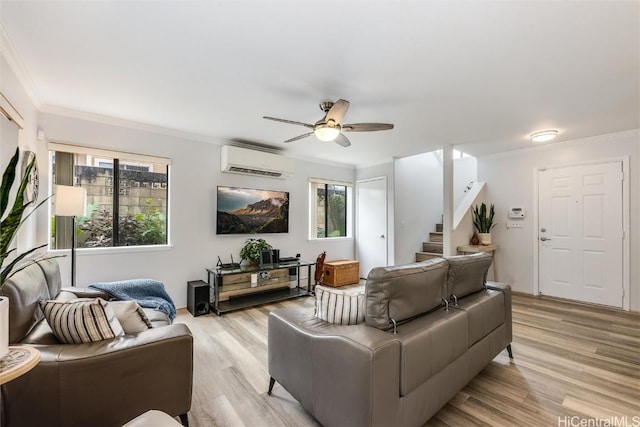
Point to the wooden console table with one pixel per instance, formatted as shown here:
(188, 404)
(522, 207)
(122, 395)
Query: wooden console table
(234, 289)
(472, 249)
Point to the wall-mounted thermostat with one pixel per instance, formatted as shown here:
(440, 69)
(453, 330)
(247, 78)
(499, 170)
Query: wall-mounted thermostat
(517, 213)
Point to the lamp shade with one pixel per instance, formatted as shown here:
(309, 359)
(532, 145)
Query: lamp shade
(70, 201)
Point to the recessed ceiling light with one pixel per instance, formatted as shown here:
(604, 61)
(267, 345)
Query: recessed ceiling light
(543, 135)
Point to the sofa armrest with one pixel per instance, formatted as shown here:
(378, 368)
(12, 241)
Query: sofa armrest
(343, 375)
(133, 373)
(506, 291)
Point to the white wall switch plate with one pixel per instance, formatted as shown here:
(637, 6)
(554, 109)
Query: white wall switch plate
(515, 224)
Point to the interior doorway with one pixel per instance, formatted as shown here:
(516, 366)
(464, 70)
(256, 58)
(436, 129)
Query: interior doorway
(371, 224)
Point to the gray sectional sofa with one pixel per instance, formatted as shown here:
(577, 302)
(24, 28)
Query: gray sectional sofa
(429, 328)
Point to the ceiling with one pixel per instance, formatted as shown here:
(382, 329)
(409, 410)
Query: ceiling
(480, 75)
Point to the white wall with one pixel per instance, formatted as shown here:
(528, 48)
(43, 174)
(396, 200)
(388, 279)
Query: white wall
(194, 175)
(510, 182)
(465, 171)
(418, 206)
(16, 95)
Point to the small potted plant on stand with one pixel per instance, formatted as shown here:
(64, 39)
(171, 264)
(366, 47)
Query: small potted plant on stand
(252, 250)
(483, 222)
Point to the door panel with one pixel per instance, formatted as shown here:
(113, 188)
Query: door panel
(580, 235)
(371, 224)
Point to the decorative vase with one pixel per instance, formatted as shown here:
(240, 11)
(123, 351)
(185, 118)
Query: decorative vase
(4, 326)
(475, 239)
(485, 238)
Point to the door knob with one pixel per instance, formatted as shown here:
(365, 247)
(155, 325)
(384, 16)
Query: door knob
(382, 236)
(544, 239)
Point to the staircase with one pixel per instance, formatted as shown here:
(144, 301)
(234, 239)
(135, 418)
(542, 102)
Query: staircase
(432, 248)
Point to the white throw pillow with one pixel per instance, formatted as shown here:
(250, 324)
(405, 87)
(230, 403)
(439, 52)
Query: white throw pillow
(340, 306)
(76, 322)
(130, 315)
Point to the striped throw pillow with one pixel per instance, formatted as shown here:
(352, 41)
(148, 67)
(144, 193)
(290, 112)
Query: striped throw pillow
(340, 307)
(76, 322)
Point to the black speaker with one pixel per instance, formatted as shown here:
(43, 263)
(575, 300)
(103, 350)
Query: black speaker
(275, 256)
(266, 257)
(198, 297)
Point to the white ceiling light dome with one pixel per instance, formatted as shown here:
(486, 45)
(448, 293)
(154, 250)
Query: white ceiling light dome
(543, 135)
(326, 132)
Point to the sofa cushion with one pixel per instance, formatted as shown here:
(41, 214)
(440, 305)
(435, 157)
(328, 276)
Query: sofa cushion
(485, 312)
(405, 291)
(428, 344)
(75, 322)
(340, 306)
(130, 315)
(467, 273)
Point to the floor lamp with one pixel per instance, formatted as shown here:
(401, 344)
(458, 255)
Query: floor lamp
(71, 201)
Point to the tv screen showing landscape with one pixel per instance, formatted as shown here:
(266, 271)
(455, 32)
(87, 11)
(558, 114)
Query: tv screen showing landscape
(251, 211)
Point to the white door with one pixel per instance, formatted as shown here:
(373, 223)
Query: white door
(371, 224)
(580, 233)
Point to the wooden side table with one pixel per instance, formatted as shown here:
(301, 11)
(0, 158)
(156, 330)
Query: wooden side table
(472, 249)
(20, 360)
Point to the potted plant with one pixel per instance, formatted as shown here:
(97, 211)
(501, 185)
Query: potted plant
(252, 250)
(483, 222)
(11, 219)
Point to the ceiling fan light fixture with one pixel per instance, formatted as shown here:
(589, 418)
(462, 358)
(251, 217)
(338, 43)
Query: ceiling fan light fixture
(325, 133)
(543, 135)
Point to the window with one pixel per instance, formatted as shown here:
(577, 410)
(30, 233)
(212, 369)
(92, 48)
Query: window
(330, 206)
(120, 210)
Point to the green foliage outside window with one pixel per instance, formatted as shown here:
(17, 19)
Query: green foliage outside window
(96, 229)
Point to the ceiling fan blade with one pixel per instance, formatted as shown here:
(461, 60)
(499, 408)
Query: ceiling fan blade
(299, 137)
(342, 140)
(337, 112)
(291, 122)
(366, 127)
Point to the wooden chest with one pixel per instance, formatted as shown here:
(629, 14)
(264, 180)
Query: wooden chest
(339, 273)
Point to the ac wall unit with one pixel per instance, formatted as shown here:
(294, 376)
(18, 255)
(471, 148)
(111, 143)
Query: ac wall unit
(257, 163)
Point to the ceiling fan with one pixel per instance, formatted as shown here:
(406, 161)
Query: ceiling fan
(330, 128)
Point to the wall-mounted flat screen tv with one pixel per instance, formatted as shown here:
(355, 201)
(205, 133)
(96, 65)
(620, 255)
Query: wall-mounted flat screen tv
(251, 211)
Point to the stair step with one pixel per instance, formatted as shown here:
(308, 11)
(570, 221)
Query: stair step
(436, 236)
(435, 247)
(439, 228)
(424, 256)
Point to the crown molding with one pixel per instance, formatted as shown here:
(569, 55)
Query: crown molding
(10, 54)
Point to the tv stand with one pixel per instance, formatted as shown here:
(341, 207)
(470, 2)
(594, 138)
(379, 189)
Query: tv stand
(234, 289)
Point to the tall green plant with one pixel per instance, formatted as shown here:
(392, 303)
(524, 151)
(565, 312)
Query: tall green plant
(483, 220)
(13, 218)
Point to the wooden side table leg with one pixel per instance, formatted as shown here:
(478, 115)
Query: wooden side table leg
(493, 260)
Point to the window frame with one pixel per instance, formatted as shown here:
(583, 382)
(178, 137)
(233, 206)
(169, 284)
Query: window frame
(313, 209)
(116, 156)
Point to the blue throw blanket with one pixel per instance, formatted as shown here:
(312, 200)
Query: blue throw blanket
(148, 293)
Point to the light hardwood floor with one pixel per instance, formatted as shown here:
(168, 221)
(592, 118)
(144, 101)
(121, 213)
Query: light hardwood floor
(572, 362)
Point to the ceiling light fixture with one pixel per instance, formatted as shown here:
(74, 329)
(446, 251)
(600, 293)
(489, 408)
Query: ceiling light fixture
(326, 132)
(543, 135)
